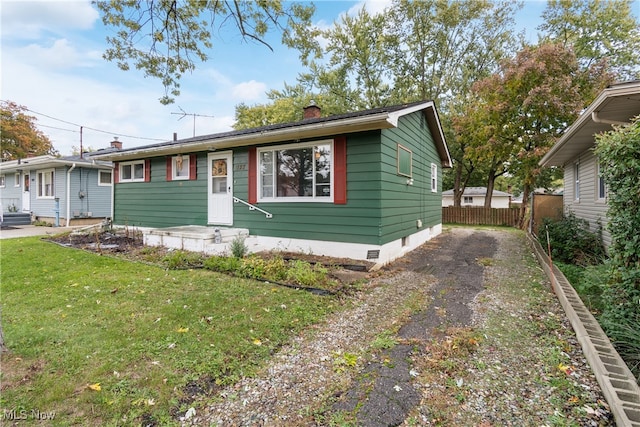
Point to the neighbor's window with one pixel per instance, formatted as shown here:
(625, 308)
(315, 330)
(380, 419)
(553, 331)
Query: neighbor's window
(576, 171)
(302, 172)
(104, 178)
(602, 188)
(468, 199)
(16, 179)
(132, 171)
(2, 181)
(45, 182)
(434, 177)
(179, 167)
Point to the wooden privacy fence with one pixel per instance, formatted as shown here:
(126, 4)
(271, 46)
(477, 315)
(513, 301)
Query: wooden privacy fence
(480, 216)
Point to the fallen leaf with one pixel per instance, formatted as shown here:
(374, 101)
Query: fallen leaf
(95, 387)
(256, 341)
(182, 330)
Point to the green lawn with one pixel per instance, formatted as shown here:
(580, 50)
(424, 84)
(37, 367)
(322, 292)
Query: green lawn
(104, 341)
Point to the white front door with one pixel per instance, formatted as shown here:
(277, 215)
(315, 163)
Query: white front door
(26, 195)
(220, 188)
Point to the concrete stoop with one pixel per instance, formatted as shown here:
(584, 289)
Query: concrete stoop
(208, 240)
(618, 384)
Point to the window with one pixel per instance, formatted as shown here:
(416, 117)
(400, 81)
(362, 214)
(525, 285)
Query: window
(576, 171)
(179, 167)
(104, 178)
(132, 171)
(301, 172)
(468, 199)
(602, 188)
(16, 179)
(2, 181)
(45, 183)
(434, 177)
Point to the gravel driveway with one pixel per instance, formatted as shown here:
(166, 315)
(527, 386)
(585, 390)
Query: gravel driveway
(462, 331)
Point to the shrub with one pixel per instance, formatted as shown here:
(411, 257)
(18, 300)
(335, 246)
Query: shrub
(222, 264)
(182, 259)
(619, 154)
(571, 241)
(238, 248)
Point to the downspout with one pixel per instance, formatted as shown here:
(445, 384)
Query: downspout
(597, 119)
(69, 194)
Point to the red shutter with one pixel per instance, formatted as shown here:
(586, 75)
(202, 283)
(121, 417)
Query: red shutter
(147, 170)
(253, 178)
(340, 170)
(116, 172)
(169, 172)
(193, 163)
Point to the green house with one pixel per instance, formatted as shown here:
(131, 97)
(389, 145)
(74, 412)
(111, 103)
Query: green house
(362, 185)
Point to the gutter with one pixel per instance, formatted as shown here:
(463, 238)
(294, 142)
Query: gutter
(596, 118)
(69, 194)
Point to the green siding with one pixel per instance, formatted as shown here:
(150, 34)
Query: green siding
(402, 204)
(380, 206)
(162, 203)
(358, 221)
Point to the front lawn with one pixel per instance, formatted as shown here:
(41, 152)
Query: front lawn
(101, 341)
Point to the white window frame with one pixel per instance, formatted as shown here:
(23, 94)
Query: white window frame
(308, 199)
(467, 200)
(3, 181)
(600, 184)
(185, 167)
(576, 187)
(40, 185)
(434, 178)
(16, 179)
(121, 177)
(104, 184)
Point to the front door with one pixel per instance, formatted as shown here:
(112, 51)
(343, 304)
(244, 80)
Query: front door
(26, 195)
(220, 188)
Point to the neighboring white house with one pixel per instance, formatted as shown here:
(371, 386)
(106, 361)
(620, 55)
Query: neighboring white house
(474, 196)
(585, 193)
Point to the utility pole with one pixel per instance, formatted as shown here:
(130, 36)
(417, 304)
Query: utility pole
(184, 114)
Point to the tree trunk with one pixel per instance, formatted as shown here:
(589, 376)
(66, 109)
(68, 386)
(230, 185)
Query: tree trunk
(457, 191)
(523, 208)
(491, 179)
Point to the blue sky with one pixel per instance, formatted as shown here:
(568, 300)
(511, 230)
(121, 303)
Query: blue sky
(52, 64)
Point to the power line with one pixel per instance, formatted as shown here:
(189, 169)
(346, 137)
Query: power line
(87, 127)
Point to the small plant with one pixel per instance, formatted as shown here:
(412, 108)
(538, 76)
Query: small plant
(222, 264)
(305, 274)
(343, 361)
(238, 247)
(182, 259)
(12, 208)
(385, 340)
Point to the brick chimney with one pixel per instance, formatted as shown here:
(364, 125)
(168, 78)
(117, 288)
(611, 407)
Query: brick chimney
(312, 111)
(116, 144)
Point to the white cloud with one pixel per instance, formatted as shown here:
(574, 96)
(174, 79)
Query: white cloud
(60, 55)
(29, 19)
(249, 91)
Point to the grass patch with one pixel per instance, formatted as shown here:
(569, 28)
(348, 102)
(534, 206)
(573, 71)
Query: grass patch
(103, 341)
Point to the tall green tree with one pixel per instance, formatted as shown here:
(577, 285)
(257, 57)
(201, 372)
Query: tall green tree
(597, 30)
(20, 138)
(167, 39)
(441, 47)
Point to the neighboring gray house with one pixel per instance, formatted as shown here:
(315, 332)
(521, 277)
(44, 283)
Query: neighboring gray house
(474, 196)
(585, 193)
(80, 188)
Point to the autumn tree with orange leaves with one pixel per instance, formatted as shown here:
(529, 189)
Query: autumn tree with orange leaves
(518, 112)
(20, 137)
